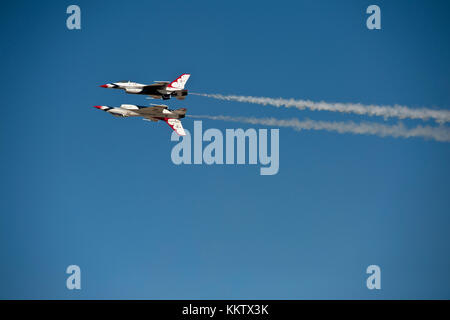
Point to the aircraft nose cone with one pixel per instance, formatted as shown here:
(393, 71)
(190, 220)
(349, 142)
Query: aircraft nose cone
(98, 107)
(104, 86)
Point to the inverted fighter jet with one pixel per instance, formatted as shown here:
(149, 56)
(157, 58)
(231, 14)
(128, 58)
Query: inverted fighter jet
(155, 113)
(159, 90)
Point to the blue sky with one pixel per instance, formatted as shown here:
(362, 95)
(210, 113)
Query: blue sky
(81, 187)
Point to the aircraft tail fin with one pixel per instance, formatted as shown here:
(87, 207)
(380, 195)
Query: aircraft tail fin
(179, 82)
(176, 125)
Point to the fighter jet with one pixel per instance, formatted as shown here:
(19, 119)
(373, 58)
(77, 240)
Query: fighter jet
(159, 90)
(155, 113)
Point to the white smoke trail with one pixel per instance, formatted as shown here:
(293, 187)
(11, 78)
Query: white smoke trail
(440, 133)
(396, 111)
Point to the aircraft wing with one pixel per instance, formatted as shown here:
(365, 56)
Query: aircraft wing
(148, 118)
(175, 124)
(158, 84)
(154, 96)
(156, 110)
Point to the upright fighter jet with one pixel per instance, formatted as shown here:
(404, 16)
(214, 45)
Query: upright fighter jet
(159, 90)
(155, 113)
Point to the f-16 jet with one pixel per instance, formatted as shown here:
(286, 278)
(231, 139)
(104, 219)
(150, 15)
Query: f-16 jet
(158, 90)
(155, 113)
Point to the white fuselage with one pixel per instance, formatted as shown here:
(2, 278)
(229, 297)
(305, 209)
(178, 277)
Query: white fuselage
(159, 90)
(130, 110)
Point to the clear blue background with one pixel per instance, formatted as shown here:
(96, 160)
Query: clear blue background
(81, 187)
